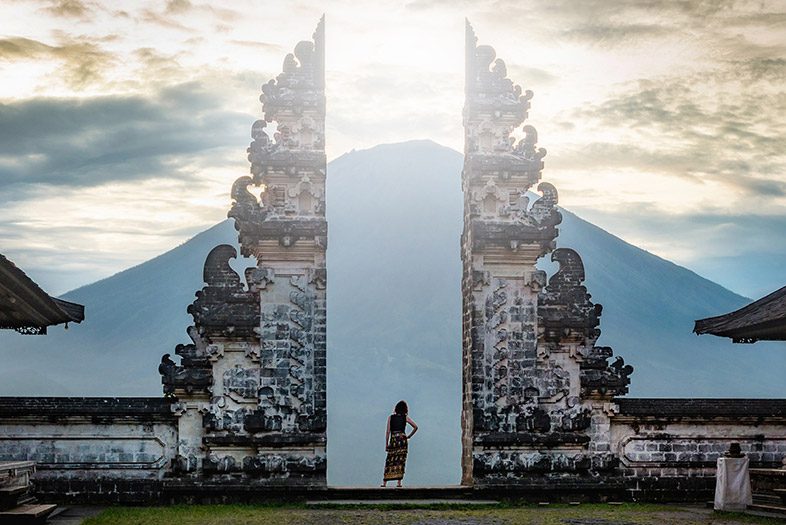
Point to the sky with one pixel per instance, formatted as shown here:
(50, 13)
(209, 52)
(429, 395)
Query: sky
(124, 124)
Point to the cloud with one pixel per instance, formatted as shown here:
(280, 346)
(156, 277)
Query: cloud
(151, 59)
(83, 61)
(266, 46)
(178, 6)
(702, 128)
(85, 142)
(621, 22)
(762, 68)
(529, 76)
(184, 7)
(165, 20)
(612, 34)
(68, 9)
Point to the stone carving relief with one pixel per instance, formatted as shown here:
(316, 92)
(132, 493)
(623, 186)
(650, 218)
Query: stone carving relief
(259, 342)
(242, 384)
(538, 384)
(224, 308)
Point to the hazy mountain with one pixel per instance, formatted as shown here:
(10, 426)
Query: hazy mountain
(395, 215)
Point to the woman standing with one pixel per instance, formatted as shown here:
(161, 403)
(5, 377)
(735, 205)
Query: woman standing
(396, 440)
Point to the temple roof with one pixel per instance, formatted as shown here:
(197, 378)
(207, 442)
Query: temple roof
(26, 308)
(764, 319)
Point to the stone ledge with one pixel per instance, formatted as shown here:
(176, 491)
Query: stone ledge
(533, 489)
(144, 408)
(273, 440)
(504, 439)
(702, 408)
(768, 472)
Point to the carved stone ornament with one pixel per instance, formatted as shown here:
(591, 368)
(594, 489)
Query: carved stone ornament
(533, 373)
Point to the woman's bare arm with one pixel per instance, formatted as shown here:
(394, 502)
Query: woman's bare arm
(387, 434)
(414, 427)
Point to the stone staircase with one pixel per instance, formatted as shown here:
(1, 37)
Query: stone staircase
(177, 491)
(398, 497)
(769, 490)
(767, 503)
(17, 503)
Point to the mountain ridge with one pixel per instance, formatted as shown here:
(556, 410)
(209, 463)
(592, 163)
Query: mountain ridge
(382, 147)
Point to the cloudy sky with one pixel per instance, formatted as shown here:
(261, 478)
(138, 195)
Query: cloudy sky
(123, 124)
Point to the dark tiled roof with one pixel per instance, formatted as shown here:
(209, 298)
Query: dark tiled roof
(709, 408)
(133, 407)
(25, 307)
(764, 319)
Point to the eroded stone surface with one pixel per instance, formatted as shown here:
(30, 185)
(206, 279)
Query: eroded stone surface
(537, 391)
(251, 387)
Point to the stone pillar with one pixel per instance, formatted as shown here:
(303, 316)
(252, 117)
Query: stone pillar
(535, 387)
(255, 375)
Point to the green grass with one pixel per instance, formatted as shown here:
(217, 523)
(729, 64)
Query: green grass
(628, 514)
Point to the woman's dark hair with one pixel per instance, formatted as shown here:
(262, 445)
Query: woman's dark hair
(401, 408)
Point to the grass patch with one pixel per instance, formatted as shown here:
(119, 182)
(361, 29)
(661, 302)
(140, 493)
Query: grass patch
(447, 514)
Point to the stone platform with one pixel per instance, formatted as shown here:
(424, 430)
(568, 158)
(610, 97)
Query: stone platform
(399, 502)
(536, 492)
(17, 504)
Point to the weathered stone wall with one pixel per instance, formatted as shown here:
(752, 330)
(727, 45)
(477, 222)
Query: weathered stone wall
(537, 391)
(91, 449)
(251, 387)
(668, 448)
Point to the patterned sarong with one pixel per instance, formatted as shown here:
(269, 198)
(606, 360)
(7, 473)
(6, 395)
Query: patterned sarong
(397, 456)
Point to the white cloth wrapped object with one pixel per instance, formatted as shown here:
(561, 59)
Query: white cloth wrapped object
(733, 484)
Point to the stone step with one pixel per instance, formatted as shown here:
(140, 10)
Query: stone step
(27, 514)
(399, 502)
(394, 493)
(222, 491)
(28, 499)
(9, 496)
(175, 487)
(781, 493)
(12, 491)
(772, 509)
(759, 497)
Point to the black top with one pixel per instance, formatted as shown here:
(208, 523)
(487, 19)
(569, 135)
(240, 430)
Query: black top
(398, 423)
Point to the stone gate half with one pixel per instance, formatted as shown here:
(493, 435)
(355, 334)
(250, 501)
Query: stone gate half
(537, 392)
(251, 386)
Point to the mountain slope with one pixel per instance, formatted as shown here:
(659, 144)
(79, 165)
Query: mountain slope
(394, 303)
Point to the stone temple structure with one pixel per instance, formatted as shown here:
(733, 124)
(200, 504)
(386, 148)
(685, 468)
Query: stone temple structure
(243, 415)
(251, 387)
(538, 394)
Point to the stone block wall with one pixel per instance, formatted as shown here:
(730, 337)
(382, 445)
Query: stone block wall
(536, 389)
(91, 449)
(251, 387)
(668, 448)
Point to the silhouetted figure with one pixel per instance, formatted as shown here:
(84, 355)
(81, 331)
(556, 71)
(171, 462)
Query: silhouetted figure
(396, 443)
